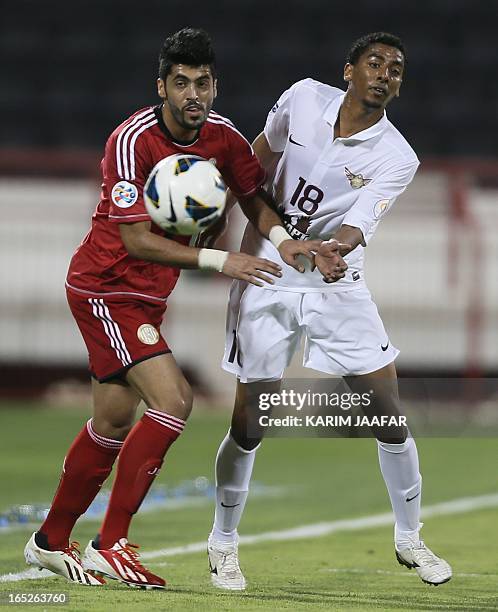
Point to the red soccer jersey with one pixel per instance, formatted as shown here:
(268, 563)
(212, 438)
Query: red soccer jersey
(101, 264)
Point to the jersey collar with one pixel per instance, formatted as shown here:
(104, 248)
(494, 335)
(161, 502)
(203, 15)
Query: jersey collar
(330, 116)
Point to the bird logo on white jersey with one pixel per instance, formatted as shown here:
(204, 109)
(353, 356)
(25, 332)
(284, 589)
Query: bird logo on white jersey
(356, 180)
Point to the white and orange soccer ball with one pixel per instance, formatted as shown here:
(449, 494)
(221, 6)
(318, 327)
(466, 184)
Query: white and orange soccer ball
(184, 194)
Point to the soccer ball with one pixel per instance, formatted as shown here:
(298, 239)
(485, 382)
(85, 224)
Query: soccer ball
(184, 194)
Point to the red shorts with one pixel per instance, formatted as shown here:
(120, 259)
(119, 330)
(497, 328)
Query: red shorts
(118, 333)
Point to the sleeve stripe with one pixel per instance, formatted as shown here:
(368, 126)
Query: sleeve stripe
(132, 146)
(217, 116)
(143, 215)
(122, 152)
(231, 127)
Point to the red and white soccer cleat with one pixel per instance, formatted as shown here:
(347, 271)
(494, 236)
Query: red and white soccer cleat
(121, 562)
(65, 562)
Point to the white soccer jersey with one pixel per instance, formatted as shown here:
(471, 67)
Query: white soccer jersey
(321, 183)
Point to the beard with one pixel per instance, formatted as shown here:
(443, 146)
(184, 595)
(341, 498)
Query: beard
(184, 121)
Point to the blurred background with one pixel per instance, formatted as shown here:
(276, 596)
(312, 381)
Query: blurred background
(72, 71)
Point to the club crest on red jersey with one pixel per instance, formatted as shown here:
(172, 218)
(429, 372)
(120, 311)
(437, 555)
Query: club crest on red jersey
(356, 180)
(124, 194)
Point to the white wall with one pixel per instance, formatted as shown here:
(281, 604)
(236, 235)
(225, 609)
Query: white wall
(42, 221)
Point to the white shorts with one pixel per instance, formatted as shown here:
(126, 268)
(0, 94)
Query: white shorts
(344, 334)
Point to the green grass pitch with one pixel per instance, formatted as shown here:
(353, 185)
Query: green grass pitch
(321, 480)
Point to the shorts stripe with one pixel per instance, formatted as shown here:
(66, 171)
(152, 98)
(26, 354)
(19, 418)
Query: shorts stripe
(117, 330)
(111, 332)
(111, 329)
(97, 313)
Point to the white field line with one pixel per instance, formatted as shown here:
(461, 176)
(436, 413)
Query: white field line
(315, 530)
(402, 573)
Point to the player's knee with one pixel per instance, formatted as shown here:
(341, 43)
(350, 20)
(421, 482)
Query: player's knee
(186, 401)
(184, 398)
(178, 403)
(114, 427)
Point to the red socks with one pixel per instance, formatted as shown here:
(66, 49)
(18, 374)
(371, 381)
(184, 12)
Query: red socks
(87, 465)
(89, 462)
(139, 462)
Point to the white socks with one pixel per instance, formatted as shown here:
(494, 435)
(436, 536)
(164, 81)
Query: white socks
(398, 464)
(399, 467)
(233, 474)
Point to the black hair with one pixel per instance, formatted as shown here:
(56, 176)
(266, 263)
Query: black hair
(361, 45)
(190, 46)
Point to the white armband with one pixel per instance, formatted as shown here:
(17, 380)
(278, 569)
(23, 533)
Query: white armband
(212, 259)
(277, 235)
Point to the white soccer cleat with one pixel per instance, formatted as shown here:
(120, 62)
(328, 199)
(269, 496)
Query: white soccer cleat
(431, 568)
(224, 565)
(65, 562)
(121, 562)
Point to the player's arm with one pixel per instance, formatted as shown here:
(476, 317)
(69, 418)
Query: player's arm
(363, 217)
(268, 159)
(261, 212)
(142, 243)
(268, 223)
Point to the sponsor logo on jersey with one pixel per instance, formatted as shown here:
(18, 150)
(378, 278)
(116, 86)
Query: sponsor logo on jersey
(274, 109)
(356, 276)
(356, 180)
(380, 208)
(148, 334)
(297, 227)
(124, 194)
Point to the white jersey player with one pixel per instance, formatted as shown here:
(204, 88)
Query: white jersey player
(336, 165)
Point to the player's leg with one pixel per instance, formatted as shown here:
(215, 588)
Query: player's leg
(233, 469)
(346, 337)
(262, 335)
(397, 451)
(399, 464)
(86, 466)
(161, 384)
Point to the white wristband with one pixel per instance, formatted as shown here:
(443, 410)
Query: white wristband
(212, 259)
(277, 235)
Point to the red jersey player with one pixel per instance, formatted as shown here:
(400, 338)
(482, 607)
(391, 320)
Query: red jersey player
(117, 286)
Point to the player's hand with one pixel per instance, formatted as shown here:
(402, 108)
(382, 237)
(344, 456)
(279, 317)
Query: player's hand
(330, 248)
(208, 238)
(248, 268)
(292, 250)
(332, 268)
